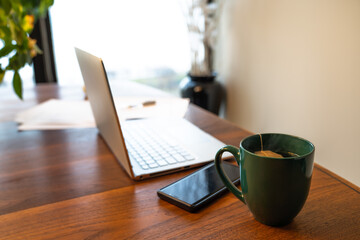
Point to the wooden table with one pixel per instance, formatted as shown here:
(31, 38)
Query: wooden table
(66, 184)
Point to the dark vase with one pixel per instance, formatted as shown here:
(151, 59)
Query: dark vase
(203, 91)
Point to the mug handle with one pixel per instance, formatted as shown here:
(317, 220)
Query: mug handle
(235, 152)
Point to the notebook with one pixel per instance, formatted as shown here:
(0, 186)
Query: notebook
(144, 147)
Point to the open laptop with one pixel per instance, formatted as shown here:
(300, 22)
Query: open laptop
(145, 147)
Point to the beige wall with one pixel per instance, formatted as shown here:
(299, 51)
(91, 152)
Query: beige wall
(293, 66)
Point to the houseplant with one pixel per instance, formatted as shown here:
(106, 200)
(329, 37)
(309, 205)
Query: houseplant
(17, 19)
(200, 85)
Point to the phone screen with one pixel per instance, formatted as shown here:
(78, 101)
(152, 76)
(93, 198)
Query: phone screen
(199, 185)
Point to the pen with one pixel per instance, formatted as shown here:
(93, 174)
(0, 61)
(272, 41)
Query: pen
(143, 104)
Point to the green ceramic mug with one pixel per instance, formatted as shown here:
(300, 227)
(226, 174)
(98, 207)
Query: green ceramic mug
(274, 189)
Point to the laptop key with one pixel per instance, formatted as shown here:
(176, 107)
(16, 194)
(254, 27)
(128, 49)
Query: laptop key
(162, 162)
(153, 165)
(158, 158)
(165, 155)
(179, 158)
(150, 161)
(141, 162)
(147, 158)
(154, 155)
(145, 167)
(170, 160)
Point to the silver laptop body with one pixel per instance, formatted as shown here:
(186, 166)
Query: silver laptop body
(199, 147)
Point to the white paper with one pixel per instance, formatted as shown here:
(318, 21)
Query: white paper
(164, 107)
(63, 114)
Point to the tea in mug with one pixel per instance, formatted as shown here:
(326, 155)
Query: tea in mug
(269, 153)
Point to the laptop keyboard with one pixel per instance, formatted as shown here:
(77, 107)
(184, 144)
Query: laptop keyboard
(151, 150)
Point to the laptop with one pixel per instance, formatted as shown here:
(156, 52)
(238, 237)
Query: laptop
(144, 147)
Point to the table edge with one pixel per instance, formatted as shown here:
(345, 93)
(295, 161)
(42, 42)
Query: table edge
(338, 178)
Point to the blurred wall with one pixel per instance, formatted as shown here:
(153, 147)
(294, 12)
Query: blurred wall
(293, 66)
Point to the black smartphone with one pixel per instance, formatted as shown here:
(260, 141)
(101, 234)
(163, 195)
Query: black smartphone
(199, 188)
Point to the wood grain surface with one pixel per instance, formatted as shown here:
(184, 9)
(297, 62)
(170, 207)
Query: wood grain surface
(66, 184)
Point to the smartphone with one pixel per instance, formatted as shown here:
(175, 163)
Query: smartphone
(199, 188)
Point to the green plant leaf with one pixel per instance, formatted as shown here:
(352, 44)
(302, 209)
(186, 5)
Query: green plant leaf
(17, 85)
(44, 5)
(6, 50)
(15, 26)
(2, 74)
(17, 61)
(5, 34)
(6, 5)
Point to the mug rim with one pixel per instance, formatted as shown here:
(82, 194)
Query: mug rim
(283, 134)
